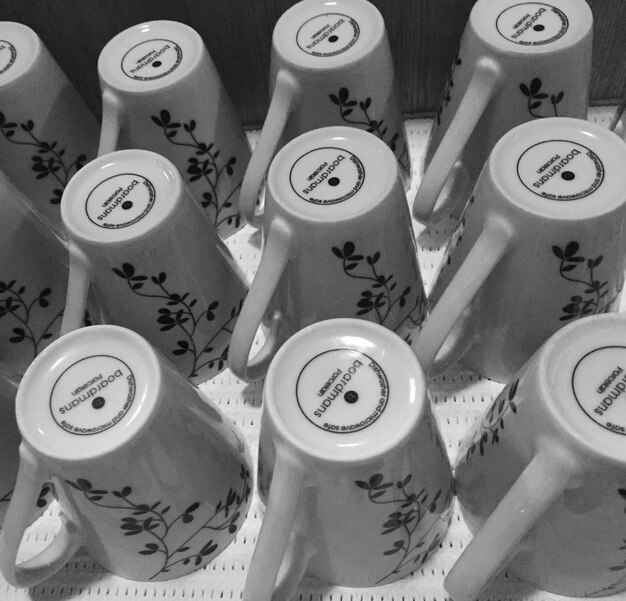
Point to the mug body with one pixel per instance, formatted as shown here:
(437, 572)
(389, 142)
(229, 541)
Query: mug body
(9, 439)
(47, 133)
(353, 251)
(157, 264)
(174, 103)
(154, 478)
(561, 190)
(565, 393)
(33, 279)
(533, 44)
(339, 56)
(348, 399)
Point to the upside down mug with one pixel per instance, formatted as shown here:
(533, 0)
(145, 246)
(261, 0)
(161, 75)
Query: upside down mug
(331, 64)
(542, 242)
(150, 477)
(352, 468)
(33, 277)
(541, 477)
(162, 92)
(47, 133)
(514, 65)
(154, 259)
(338, 242)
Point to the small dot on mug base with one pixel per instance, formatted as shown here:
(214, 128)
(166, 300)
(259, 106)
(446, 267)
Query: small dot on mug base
(539, 27)
(333, 38)
(98, 402)
(351, 396)
(157, 64)
(568, 176)
(333, 181)
(127, 205)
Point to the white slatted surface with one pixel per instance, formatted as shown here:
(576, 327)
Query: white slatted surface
(459, 396)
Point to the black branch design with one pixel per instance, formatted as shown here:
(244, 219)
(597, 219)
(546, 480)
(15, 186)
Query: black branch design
(14, 304)
(380, 296)
(621, 581)
(156, 521)
(205, 165)
(593, 290)
(536, 97)
(447, 93)
(493, 421)
(347, 106)
(180, 312)
(410, 510)
(50, 160)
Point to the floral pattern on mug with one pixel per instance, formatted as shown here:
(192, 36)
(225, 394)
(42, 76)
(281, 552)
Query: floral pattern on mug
(347, 106)
(380, 297)
(178, 539)
(411, 509)
(592, 290)
(180, 312)
(447, 93)
(536, 97)
(50, 160)
(17, 305)
(618, 584)
(206, 166)
(493, 421)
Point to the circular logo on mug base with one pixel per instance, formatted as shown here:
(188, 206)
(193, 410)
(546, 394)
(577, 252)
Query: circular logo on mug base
(560, 170)
(599, 385)
(92, 395)
(328, 34)
(152, 59)
(342, 391)
(8, 54)
(532, 23)
(327, 176)
(120, 201)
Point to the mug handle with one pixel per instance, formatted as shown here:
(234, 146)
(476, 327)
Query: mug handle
(277, 544)
(538, 486)
(481, 89)
(274, 259)
(285, 94)
(19, 516)
(78, 282)
(111, 122)
(485, 254)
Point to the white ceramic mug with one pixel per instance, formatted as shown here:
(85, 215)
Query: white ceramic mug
(47, 133)
(541, 478)
(151, 478)
(518, 61)
(331, 64)
(338, 242)
(33, 278)
(352, 468)
(154, 258)
(541, 243)
(9, 447)
(162, 92)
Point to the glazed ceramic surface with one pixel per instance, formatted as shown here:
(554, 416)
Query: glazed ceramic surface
(331, 64)
(351, 464)
(151, 478)
(155, 259)
(541, 243)
(47, 133)
(542, 478)
(162, 92)
(337, 241)
(517, 62)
